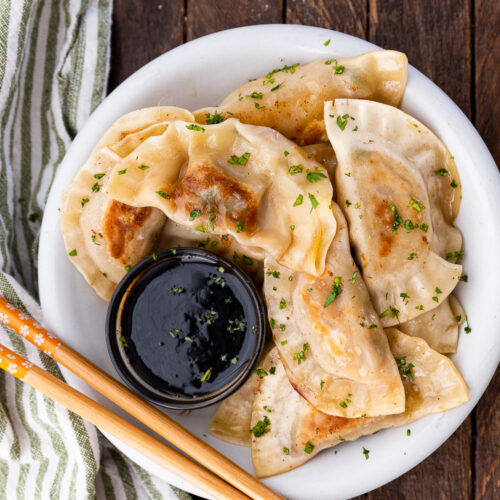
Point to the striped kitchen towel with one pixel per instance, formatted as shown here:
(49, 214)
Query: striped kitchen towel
(54, 60)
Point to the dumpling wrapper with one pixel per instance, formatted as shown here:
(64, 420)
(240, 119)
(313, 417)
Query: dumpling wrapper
(385, 161)
(439, 326)
(437, 387)
(234, 179)
(338, 356)
(290, 100)
(108, 235)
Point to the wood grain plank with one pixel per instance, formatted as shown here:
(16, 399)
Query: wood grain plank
(207, 16)
(436, 36)
(347, 16)
(142, 31)
(487, 441)
(487, 72)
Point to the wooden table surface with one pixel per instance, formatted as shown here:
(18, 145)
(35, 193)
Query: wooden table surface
(454, 42)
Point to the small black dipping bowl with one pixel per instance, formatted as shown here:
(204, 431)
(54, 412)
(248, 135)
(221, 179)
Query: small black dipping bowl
(185, 328)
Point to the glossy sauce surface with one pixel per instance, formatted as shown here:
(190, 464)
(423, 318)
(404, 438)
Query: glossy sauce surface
(188, 326)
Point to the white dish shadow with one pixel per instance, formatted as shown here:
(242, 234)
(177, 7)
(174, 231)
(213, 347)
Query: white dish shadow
(201, 73)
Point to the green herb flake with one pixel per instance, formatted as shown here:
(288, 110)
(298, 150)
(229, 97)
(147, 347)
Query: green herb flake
(121, 172)
(335, 291)
(313, 176)
(284, 342)
(247, 260)
(73, 253)
(424, 227)
(274, 274)
(366, 453)
(261, 427)
(272, 370)
(455, 255)
(298, 201)
(416, 204)
(314, 201)
(412, 256)
(276, 87)
(405, 369)
(282, 304)
(195, 127)
(348, 203)
(453, 184)
(143, 167)
(194, 214)
(99, 176)
(397, 218)
(239, 160)
(96, 187)
(441, 171)
(286, 153)
(321, 384)
(353, 279)
(292, 227)
(163, 195)
(408, 432)
(128, 268)
(256, 95)
(213, 119)
(464, 278)
(327, 43)
(295, 169)
(301, 356)
(260, 372)
(206, 375)
(286, 451)
(342, 120)
(308, 448)
(240, 226)
(84, 201)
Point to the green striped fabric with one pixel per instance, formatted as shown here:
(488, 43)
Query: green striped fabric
(54, 61)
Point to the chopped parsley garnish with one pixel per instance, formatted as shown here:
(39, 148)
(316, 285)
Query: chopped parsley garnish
(234, 360)
(272, 322)
(260, 372)
(342, 120)
(467, 329)
(353, 279)
(93, 238)
(298, 201)
(192, 126)
(408, 432)
(348, 203)
(285, 69)
(272, 370)
(282, 327)
(405, 297)
(455, 255)
(438, 290)
(314, 201)
(194, 214)
(282, 304)
(397, 218)
(441, 171)
(284, 342)
(321, 384)
(202, 230)
(213, 119)
(96, 187)
(143, 167)
(463, 278)
(295, 169)
(128, 268)
(357, 206)
(123, 341)
(292, 227)
(286, 153)
(121, 172)
(327, 43)
(73, 253)
(336, 291)
(84, 201)
(163, 194)
(453, 184)
(274, 274)
(416, 204)
(211, 222)
(392, 311)
(420, 307)
(240, 226)
(366, 453)
(409, 226)
(261, 427)
(99, 176)
(314, 176)
(247, 260)
(308, 448)
(239, 160)
(256, 95)
(424, 227)
(177, 290)
(301, 356)
(206, 375)
(405, 369)
(412, 256)
(276, 87)
(286, 451)
(339, 69)
(371, 327)
(257, 105)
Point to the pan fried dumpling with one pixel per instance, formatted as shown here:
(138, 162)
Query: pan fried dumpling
(439, 326)
(330, 339)
(398, 205)
(246, 181)
(295, 431)
(290, 99)
(102, 235)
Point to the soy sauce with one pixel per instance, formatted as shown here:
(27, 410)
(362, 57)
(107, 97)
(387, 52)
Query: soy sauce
(188, 326)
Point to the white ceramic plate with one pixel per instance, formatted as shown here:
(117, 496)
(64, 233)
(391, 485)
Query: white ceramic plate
(201, 73)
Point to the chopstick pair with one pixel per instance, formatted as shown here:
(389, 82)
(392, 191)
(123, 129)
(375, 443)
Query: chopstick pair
(225, 471)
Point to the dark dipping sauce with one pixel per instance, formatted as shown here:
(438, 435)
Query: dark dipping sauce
(190, 325)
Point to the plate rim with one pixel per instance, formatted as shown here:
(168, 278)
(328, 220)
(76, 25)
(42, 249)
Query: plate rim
(272, 30)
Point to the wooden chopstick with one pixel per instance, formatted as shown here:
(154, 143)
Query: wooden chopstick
(135, 406)
(116, 426)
